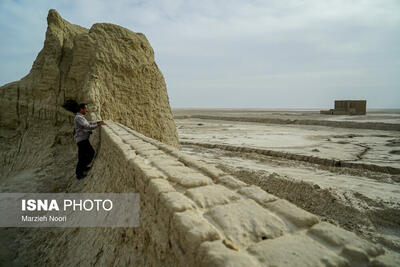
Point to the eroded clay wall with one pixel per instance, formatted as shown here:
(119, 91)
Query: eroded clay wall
(193, 214)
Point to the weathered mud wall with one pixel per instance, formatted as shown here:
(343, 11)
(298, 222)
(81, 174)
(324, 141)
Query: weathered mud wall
(110, 68)
(193, 214)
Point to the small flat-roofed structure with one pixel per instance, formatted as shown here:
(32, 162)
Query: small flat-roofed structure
(348, 107)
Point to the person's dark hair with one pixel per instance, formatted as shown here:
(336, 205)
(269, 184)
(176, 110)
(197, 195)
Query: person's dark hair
(72, 106)
(82, 106)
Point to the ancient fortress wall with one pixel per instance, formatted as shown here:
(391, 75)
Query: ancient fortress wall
(108, 67)
(193, 214)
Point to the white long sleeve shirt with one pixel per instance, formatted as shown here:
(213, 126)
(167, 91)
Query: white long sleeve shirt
(83, 128)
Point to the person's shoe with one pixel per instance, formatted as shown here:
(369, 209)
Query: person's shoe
(81, 176)
(87, 168)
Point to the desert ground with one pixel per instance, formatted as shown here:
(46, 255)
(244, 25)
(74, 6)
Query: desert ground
(345, 169)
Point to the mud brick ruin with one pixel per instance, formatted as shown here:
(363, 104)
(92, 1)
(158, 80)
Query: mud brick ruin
(348, 107)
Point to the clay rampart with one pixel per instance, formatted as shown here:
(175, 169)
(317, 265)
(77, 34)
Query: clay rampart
(193, 214)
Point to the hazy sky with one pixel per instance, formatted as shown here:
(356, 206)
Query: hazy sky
(255, 54)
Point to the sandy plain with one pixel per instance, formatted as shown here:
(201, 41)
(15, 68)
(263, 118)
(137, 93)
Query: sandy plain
(345, 169)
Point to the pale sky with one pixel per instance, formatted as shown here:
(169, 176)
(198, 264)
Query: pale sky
(238, 54)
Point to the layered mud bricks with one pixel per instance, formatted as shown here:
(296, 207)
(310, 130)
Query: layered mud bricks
(193, 214)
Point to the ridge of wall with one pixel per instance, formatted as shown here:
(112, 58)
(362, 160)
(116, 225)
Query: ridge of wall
(305, 158)
(337, 124)
(193, 214)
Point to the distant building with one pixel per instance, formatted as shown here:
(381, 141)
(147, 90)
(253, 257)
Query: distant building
(348, 107)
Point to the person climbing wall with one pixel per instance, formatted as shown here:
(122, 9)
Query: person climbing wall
(82, 131)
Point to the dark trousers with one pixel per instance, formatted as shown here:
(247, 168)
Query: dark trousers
(85, 156)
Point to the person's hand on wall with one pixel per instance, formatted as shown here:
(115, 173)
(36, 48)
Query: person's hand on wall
(101, 123)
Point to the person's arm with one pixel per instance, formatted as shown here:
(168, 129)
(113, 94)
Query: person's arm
(93, 124)
(83, 123)
(98, 123)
